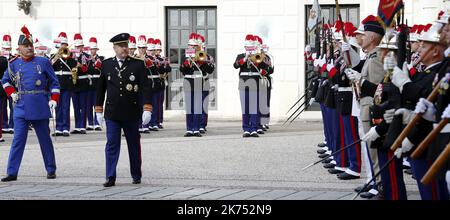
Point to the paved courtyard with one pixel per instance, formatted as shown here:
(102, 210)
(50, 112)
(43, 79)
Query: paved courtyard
(219, 166)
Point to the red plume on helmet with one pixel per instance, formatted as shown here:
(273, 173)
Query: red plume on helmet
(369, 18)
(249, 37)
(420, 28)
(25, 31)
(338, 25)
(427, 27)
(349, 29)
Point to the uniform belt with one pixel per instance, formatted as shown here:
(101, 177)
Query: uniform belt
(32, 92)
(83, 77)
(60, 73)
(193, 76)
(446, 129)
(95, 76)
(153, 76)
(345, 89)
(249, 74)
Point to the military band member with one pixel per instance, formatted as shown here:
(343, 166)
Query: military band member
(156, 82)
(142, 45)
(132, 46)
(195, 69)
(163, 70)
(64, 66)
(125, 81)
(7, 119)
(250, 72)
(81, 90)
(265, 120)
(29, 80)
(94, 67)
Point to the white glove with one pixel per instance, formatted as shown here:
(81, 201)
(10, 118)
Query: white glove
(389, 115)
(15, 97)
(370, 136)
(406, 147)
(330, 66)
(146, 116)
(311, 101)
(389, 63)
(353, 75)
(427, 109)
(406, 115)
(316, 62)
(100, 118)
(52, 104)
(321, 61)
(446, 113)
(345, 47)
(401, 77)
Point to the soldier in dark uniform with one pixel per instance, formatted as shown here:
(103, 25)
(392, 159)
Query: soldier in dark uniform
(142, 45)
(7, 119)
(413, 91)
(164, 70)
(156, 82)
(265, 120)
(30, 81)
(250, 74)
(83, 83)
(125, 81)
(94, 66)
(195, 71)
(64, 66)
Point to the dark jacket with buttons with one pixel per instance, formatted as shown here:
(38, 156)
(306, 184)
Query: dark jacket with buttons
(83, 82)
(94, 73)
(65, 65)
(124, 87)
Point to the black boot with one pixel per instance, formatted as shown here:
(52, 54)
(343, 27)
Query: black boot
(110, 182)
(9, 178)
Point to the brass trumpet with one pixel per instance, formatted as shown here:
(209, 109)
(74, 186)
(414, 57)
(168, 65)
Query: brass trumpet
(258, 58)
(63, 52)
(200, 55)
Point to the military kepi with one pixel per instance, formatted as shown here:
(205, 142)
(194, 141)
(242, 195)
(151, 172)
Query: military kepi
(120, 38)
(25, 37)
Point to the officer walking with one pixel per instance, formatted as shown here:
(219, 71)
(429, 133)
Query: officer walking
(124, 79)
(34, 79)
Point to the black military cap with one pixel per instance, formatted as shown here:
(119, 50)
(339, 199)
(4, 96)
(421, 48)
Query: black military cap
(120, 38)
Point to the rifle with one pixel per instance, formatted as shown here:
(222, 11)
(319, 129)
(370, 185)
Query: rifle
(437, 165)
(348, 62)
(427, 141)
(432, 97)
(334, 153)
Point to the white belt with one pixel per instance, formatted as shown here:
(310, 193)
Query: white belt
(446, 129)
(193, 76)
(249, 74)
(95, 76)
(60, 73)
(154, 77)
(345, 89)
(83, 77)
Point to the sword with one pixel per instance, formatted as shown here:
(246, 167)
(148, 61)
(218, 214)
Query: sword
(54, 122)
(297, 101)
(294, 113)
(334, 153)
(374, 177)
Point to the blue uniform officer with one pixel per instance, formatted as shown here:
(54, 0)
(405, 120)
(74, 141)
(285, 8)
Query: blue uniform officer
(29, 80)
